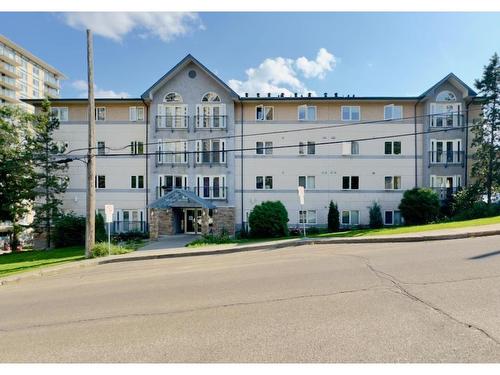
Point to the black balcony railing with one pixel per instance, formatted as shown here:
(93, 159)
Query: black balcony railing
(172, 122)
(128, 226)
(210, 122)
(206, 192)
(446, 157)
(453, 120)
(445, 192)
(210, 158)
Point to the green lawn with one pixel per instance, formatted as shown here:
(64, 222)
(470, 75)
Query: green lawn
(413, 229)
(29, 260)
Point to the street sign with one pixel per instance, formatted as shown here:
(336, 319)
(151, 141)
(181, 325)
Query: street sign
(301, 194)
(108, 210)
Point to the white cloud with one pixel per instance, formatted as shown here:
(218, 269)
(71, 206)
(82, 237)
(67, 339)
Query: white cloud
(115, 25)
(81, 86)
(281, 75)
(325, 62)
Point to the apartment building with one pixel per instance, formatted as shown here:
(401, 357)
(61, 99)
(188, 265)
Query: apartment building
(193, 156)
(25, 76)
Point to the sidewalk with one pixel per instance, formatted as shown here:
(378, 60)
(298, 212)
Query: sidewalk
(167, 251)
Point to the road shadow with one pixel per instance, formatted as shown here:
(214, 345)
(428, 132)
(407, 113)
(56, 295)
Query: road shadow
(485, 255)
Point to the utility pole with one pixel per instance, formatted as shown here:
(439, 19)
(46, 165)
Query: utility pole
(90, 222)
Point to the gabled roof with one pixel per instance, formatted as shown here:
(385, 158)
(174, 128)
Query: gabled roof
(181, 64)
(470, 92)
(181, 198)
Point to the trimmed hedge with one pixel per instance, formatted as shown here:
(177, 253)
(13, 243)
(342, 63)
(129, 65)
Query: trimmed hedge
(419, 206)
(269, 219)
(69, 230)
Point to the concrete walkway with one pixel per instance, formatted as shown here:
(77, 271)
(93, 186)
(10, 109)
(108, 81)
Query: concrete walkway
(178, 241)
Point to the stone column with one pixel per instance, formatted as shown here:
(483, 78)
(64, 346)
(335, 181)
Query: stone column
(204, 221)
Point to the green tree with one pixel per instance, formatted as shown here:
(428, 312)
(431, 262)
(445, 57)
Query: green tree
(333, 217)
(375, 216)
(486, 141)
(419, 206)
(17, 168)
(268, 219)
(51, 176)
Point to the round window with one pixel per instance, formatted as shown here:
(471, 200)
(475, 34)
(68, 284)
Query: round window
(192, 74)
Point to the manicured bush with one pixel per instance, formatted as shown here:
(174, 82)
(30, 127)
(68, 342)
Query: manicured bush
(69, 230)
(102, 249)
(333, 217)
(268, 219)
(133, 235)
(211, 239)
(419, 206)
(376, 220)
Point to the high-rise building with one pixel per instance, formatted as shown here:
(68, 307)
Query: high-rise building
(25, 76)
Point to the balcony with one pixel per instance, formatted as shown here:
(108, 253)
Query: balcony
(445, 158)
(205, 192)
(171, 122)
(8, 95)
(210, 158)
(445, 193)
(8, 56)
(210, 122)
(170, 158)
(50, 93)
(8, 70)
(50, 81)
(446, 121)
(8, 82)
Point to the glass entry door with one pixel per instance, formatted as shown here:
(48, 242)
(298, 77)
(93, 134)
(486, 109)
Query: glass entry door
(191, 217)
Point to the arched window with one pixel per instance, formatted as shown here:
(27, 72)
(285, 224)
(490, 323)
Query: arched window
(446, 96)
(211, 97)
(173, 97)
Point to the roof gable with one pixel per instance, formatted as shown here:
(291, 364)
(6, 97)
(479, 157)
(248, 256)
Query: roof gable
(451, 77)
(181, 198)
(178, 67)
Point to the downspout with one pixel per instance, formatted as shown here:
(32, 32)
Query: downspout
(466, 157)
(415, 139)
(241, 161)
(147, 162)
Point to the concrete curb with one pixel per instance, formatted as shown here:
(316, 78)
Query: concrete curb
(294, 243)
(303, 242)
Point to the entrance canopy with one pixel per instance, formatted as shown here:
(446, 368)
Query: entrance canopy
(181, 198)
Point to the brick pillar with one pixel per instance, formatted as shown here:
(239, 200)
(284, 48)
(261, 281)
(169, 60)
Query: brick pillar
(223, 220)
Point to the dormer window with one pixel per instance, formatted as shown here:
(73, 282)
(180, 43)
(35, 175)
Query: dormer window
(211, 97)
(173, 97)
(446, 96)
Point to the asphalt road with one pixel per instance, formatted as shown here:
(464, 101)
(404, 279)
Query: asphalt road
(417, 302)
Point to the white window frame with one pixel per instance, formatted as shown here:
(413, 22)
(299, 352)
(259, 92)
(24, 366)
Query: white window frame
(97, 181)
(172, 116)
(170, 145)
(134, 147)
(307, 180)
(199, 186)
(200, 152)
(101, 150)
(98, 111)
(137, 179)
(350, 183)
(392, 147)
(162, 179)
(136, 114)
(457, 145)
(310, 216)
(350, 217)
(266, 148)
(392, 116)
(350, 112)
(60, 113)
(264, 185)
(306, 112)
(393, 178)
(212, 121)
(264, 112)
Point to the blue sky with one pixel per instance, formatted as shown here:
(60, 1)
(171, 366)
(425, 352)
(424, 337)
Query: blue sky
(363, 53)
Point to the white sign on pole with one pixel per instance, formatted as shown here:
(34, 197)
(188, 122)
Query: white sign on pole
(108, 210)
(301, 194)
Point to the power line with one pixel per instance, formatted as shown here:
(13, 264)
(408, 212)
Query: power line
(331, 126)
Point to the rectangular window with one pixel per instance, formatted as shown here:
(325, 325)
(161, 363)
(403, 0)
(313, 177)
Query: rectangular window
(100, 113)
(136, 148)
(101, 148)
(36, 83)
(211, 186)
(307, 216)
(137, 182)
(311, 148)
(264, 113)
(307, 113)
(351, 113)
(301, 148)
(307, 182)
(136, 113)
(350, 182)
(36, 71)
(393, 112)
(350, 217)
(392, 148)
(388, 218)
(60, 113)
(392, 182)
(264, 148)
(100, 182)
(172, 151)
(264, 182)
(350, 148)
(210, 151)
(167, 183)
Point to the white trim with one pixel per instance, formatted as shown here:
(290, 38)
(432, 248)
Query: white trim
(350, 112)
(306, 106)
(263, 112)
